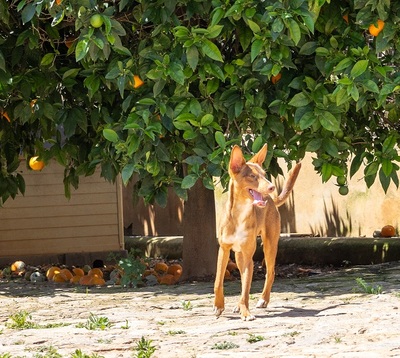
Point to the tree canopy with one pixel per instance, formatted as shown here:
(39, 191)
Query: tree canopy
(161, 89)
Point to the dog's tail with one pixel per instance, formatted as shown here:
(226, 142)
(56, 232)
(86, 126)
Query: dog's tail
(288, 186)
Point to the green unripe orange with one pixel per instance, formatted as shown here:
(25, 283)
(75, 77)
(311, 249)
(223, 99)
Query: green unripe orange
(96, 21)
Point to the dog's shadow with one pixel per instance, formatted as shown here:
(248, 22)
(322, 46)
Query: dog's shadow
(285, 311)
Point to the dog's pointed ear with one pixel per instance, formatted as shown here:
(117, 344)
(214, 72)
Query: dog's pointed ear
(237, 160)
(259, 157)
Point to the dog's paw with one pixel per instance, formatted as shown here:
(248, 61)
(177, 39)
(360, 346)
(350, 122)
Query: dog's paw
(262, 303)
(249, 317)
(218, 311)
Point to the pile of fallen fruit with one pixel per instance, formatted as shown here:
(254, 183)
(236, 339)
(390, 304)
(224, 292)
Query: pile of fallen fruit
(158, 272)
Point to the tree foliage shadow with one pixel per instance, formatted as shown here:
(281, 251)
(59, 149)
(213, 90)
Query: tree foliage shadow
(334, 223)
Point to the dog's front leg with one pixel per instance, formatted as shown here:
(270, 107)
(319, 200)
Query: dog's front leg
(244, 261)
(223, 258)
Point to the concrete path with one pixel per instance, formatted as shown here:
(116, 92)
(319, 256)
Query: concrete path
(323, 315)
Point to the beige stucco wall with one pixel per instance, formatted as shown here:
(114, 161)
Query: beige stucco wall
(319, 209)
(314, 208)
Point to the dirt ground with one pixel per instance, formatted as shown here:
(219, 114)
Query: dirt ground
(324, 314)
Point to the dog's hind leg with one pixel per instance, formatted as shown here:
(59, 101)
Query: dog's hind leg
(223, 258)
(270, 248)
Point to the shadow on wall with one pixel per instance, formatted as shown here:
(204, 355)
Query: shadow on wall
(287, 210)
(333, 224)
(152, 220)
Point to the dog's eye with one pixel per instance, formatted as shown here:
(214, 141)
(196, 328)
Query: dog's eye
(253, 176)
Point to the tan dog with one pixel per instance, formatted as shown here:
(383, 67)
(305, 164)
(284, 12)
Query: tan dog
(249, 212)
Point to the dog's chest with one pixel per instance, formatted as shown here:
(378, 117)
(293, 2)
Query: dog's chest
(239, 228)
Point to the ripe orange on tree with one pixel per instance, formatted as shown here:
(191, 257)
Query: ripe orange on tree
(36, 164)
(6, 116)
(373, 30)
(275, 79)
(137, 81)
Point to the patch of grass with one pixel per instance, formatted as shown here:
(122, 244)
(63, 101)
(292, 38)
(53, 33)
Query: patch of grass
(253, 338)
(174, 333)
(338, 339)
(5, 355)
(95, 322)
(187, 305)
(292, 334)
(21, 320)
(367, 288)
(144, 348)
(126, 325)
(224, 345)
(79, 354)
(47, 352)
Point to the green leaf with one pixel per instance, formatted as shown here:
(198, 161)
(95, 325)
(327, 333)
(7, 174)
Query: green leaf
(387, 167)
(192, 56)
(211, 50)
(371, 86)
(82, 48)
(308, 48)
(341, 97)
(343, 64)
(299, 100)
(371, 169)
(359, 68)
(214, 31)
(28, 12)
(328, 120)
(384, 179)
(256, 47)
(389, 143)
(212, 86)
(356, 163)
(127, 173)
(220, 139)
(253, 26)
(307, 120)
(110, 135)
(47, 59)
(188, 181)
(175, 71)
(206, 120)
(257, 144)
(294, 30)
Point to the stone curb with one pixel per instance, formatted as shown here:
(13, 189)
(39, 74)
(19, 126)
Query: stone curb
(335, 251)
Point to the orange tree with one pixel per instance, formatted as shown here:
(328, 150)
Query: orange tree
(161, 89)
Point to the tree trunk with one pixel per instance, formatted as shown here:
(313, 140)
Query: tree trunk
(200, 246)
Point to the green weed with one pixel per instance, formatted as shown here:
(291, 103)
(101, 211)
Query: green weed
(225, 345)
(95, 322)
(373, 290)
(174, 333)
(144, 348)
(79, 354)
(126, 325)
(47, 352)
(5, 355)
(21, 320)
(132, 268)
(253, 338)
(187, 305)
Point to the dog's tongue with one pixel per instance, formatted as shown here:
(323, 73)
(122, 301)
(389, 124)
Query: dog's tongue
(258, 200)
